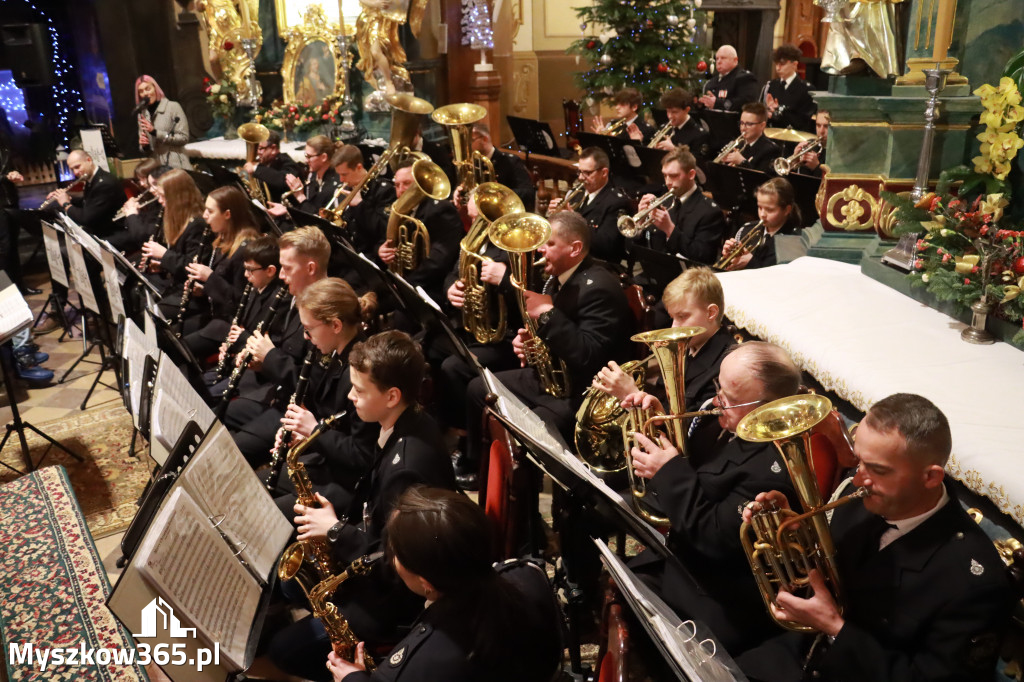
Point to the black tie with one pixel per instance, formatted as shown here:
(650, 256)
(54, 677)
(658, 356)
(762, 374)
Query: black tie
(586, 202)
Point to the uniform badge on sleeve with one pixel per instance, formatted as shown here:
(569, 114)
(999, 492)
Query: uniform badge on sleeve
(776, 468)
(396, 657)
(397, 459)
(976, 568)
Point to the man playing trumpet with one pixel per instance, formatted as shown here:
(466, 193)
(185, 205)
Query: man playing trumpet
(628, 124)
(757, 151)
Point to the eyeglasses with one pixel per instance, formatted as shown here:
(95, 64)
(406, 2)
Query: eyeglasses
(723, 400)
(250, 270)
(308, 331)
(311, 156)
(587, 173)
(747, 124)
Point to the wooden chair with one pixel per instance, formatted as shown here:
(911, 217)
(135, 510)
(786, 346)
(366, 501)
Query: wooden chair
(505, 489)
(613, 639)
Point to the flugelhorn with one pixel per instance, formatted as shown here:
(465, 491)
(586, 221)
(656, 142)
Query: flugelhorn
(664, 132)
(783, 546)
(405, 233)
(484, 318)
(614, 128)
(736, 145)
(472, 167)
(631, 226)
(520, 234)
(784, 165)
(752, 240)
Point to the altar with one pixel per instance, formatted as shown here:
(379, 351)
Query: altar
(865, 341)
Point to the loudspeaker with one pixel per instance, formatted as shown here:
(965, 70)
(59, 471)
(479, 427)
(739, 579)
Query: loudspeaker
(27, 51)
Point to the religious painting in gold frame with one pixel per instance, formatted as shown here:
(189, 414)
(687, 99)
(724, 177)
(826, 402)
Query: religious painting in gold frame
(312, 70)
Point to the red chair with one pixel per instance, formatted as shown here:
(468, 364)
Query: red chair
(504, 488)
(613, 636)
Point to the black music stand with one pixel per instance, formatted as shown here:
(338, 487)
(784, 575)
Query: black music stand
(534, 137)
(264, 221)
(733, 187)
(805, 188)
(629, 158)
(659, 268)
(723, 126)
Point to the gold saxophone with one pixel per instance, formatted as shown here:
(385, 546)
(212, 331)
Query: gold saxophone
(493, 200)
(299, 556)
(406, 233)
(520, 234)
(343, 640)
(784, 546)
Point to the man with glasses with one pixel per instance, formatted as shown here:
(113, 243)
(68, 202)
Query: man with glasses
(601, 207)
(758, 151)
(703, 494)
(271, 167)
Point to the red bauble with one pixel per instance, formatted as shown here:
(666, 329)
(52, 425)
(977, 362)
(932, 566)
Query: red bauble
(1018, 266)
(228, 45)
(591, 44)
(662, 68)
(702, 65)
(650, 24)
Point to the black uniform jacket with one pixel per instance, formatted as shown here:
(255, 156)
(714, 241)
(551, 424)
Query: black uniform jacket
(224, 286)
(693, 136)
(764, 255)
(760, 154)
(591, 323)
(274, 173)
(181, 253)
(282, 364)
(510, 171)
(932, 605)
(95, 209)
(733, 90)
(700, 229)
(319, 191)
(367, 221)
(702, 368)
(796, 106)
(602, 214)
(445, 228)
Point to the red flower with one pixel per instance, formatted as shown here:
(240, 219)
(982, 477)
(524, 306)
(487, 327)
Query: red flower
(984, 229)
(974, 269)
(945, 258)
(918, 264)
(662, 68)
(966, 281)
(935, 204)
(228, 45)
(326, 117)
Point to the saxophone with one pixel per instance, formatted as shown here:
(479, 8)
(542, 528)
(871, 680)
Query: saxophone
(278, 457)
(493, 200)
(343, 640)
(190, 282)
(293, 563)
(223, 362)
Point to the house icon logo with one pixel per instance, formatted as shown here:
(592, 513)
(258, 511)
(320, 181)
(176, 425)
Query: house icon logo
(160, 610)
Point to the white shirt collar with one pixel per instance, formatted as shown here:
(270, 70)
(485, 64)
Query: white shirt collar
(789, 81)
(904, 526)
(688, 194)
(590, 196)
(564, 277)
(384, 435)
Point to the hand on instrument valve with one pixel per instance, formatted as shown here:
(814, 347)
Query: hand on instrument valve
(666, 144)
(387, 252)
(741, 260)
(457, 293)
(818, 611)
(537, 304)
(492, 272)
(660, 218)
(517, 346)
(299, 420)
(734, 158)
(198, 271)
(340, 668)
(649, 457)
(634, 132)
(295, 185)
(613, 381)
(258, 345)
(314, 522)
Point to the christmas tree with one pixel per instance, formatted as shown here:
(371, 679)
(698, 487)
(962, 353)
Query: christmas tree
(649, 47)
(476, 25)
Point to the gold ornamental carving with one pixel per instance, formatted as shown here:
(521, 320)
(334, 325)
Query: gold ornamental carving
(858, 213)
(227, 23)
(312, 69)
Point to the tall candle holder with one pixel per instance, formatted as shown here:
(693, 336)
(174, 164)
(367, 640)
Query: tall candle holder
(252, 100)
(348, 124)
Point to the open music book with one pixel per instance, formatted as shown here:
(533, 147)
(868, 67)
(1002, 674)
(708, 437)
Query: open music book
(175, 403)
(54, 258)
(15, 314)
(137, 346)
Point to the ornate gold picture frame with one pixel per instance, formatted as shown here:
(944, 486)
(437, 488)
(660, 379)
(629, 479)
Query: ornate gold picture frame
(312, 70)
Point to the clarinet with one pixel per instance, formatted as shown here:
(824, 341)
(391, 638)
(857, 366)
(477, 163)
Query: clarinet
(277, 458)
(223, 362)
(190, 282)
(243, 361)
(144, 260)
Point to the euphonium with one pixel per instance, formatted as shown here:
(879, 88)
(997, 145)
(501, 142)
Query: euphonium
(670, 347)
(784, 165)
(783, 546)
(736, 145)
(486, 324)
(599, 423)
(632, 226)
(254, 134)
(343, 640)
(405, 233)
(520, 234)
(753, 239)
(472, 167)
(314, 552)
(660, 135)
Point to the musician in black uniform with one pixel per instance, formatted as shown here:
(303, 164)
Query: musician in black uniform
(601, 207)
(703, 494)
(788, 97)
(778, 214)
(812, 163)
(686, 130)
(757, 152)
(693, 225)
(926, 594)
(445, 229)
(731, 87)
(509, 169)
(101, 197)
(272, 166)
(366, 215)
(313, 193)
(484, 621)
(627, 103)
(386, 373)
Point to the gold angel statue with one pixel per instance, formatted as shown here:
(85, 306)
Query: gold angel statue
(223, 21)
(381, 56)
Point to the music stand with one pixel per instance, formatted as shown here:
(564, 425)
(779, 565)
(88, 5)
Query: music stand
(723, 126)
(534, 137)
(805, 188)
(658, 267)
(628, 158)
(264, 221)
(733, 187)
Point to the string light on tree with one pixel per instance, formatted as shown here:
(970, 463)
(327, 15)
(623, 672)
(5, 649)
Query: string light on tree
(476, 25)
(66, 98)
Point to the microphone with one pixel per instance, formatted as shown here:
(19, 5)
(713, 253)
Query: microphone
(143, 103)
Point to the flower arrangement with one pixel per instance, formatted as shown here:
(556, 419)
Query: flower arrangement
(302, 119)
(222, 97)
(1000, 141)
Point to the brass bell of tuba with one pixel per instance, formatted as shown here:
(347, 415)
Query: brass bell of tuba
(254, 135)
(782, 545)
(472, 167)
(484, 315)
(521, 234)
(406, 233)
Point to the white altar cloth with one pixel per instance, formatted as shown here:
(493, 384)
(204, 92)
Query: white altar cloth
(864, 341)
(219, 148)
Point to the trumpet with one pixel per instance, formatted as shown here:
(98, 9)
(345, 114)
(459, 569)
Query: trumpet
(572, 200)
(788, 164)
(120, 215)
(613, 128)
(633, 226)
(752, 240)
(664, 132)
(736, 145)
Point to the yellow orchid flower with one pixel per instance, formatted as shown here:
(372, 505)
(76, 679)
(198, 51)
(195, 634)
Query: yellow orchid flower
(964, 264)
(1000, 169)
(994, 204)
(937, 223)
(982, 164)
(1009, 293)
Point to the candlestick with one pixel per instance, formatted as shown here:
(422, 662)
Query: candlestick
(943, 29)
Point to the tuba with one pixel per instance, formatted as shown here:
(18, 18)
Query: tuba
(473, 168)
(343, 640)
(493, 200)
(520, 234)
(254, 134)
(407, 234)
(670, 347)
(781, 545)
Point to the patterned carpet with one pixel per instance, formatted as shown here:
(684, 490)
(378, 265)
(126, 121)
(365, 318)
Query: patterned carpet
(109, 481)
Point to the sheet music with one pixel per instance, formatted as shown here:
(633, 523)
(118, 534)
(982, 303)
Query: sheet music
(127, 266)
(136, 347)
(187, 561)
(87, 241)
(223, 483)
(375, 266)
(426, 297)
(80, 276)
(686, 643)
(175, 404)
(148, 322)
(54, 258)
(113, 282)
(15, 314)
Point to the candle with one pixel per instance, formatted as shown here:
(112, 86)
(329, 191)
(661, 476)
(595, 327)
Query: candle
(943, 29)
(246, 19)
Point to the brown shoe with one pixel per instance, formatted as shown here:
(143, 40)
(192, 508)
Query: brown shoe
(46, 326)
